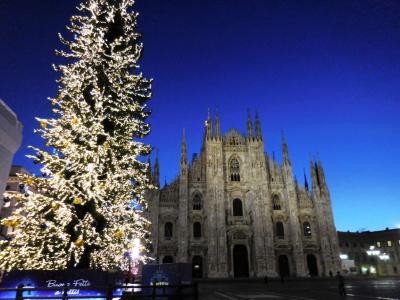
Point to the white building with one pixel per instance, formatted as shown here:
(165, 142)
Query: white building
(13, 187)
(10, 140)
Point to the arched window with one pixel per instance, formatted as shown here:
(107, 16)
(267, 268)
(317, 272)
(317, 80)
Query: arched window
(233, 141)
(168, 260)
(168, 230)
(280, 231)
(196, 230)
(306, 229)
(237, 207)
(234, 169)
(276, 202)
(197, 203)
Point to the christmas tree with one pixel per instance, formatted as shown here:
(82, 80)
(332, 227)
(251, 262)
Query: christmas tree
(83, 212)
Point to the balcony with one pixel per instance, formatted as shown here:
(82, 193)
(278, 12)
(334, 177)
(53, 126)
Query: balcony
(238, 220)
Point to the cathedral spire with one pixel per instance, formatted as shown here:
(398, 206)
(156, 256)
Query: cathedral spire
(217, 126)
(156, 172)
(148, 168)
(285, 151)
(305, 180)
(183, 148)
(250, 135)
(321, 174)
(258, 128)
(314, 177)
(208, 126)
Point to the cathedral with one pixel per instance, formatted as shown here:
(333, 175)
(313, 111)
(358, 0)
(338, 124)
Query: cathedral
(234, 211)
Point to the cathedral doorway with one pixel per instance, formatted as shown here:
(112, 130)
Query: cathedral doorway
(168, 260)
(312, 265)
(240, 261)
(283, 262)
(197, 266)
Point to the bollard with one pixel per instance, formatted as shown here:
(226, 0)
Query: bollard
(20, 290)
(196, 291)
(180, 292)
(110, 292)
(65, 294)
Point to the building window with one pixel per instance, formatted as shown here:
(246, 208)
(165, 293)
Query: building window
(168, 230)
(234, 170)
(389, 243)
(168, 260)
(395, 269)
(280, 231)
(364, 257)
(276, 202)
(378, 244)
(233, 141)
(197, 203)
(8, 188)
(196, 230)
(306, 229)
(347, 244)
(237, 208)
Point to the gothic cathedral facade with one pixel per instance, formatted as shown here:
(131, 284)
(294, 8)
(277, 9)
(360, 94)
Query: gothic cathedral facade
(235, 212)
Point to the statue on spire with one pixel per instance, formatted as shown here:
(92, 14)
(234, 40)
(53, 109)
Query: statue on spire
(250, 134)
(258, 128)
(217, 126)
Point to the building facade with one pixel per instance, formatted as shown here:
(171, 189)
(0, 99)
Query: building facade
(10, 141)
(13, 187)
(233, 211)
(373, 252)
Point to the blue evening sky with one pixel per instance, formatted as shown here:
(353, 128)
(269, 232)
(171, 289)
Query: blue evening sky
(325, 72)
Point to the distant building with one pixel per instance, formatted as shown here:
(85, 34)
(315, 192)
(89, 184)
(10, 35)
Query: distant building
(374, 252)
(10, 141)
(233, 211)
(13, 186)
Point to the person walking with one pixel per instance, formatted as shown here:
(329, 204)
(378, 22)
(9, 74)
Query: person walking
(341, 287)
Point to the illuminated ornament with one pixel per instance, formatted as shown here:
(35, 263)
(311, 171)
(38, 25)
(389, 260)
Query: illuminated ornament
(77, 200)
(29, 181)
(43, 124)
(17, 197)
(106, 146)
(119, 234)
(79, 243)
(74, 121)
(55, 205)
(11, 223)
(7, 223)
(48, 144)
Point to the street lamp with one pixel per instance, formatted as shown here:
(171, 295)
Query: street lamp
(373, 252)
(384, 257)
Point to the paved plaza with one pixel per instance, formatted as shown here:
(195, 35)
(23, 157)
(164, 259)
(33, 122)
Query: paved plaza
(308, 289)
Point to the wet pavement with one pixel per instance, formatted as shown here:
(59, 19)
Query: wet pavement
(297, 289)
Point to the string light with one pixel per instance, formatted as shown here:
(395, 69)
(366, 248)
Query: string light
(101, 105)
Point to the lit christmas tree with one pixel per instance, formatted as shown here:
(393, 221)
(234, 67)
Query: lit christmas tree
(83, 212)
